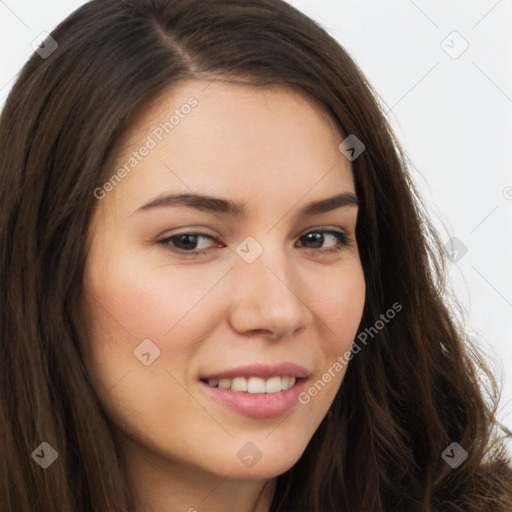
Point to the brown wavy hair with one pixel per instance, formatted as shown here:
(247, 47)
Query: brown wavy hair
(416, 388)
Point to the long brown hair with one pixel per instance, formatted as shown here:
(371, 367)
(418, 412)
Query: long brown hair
(419, 384)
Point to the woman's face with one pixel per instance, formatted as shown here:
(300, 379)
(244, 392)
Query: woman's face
(269, 292)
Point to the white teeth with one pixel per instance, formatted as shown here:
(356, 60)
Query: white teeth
(273, 385)
(224, 383)
(239, 384)
(254, 384)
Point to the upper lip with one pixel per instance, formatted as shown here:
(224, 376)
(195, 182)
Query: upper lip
(261, 370)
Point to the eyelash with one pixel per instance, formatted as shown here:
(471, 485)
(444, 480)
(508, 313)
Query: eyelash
(342, 236)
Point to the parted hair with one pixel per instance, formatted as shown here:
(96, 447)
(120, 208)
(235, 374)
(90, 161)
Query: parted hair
(418, 386)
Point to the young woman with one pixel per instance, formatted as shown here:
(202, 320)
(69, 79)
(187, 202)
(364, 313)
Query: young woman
(219, 289)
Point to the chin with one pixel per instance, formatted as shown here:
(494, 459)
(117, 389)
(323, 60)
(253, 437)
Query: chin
(251, 463)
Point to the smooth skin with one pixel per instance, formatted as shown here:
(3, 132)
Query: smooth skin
(299, 301)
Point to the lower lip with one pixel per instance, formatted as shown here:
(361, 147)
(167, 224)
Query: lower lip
(258, 405)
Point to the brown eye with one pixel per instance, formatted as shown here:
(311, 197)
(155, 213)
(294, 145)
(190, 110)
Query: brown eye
(186, 243)
(317, 239)
(189, 244)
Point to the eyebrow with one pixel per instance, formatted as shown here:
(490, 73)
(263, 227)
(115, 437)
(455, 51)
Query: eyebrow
(235, 209)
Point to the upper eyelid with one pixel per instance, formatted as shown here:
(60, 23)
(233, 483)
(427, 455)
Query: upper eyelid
(214, 238)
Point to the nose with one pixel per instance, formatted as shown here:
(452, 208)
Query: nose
(266, 298)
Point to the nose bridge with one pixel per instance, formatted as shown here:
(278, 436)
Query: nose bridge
(266, 295)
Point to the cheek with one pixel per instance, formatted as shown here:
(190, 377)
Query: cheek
(338, 301)
(177, 307)
(348, 304)
(130, 303)
(149, 301)
(133, 301)
(339, 309)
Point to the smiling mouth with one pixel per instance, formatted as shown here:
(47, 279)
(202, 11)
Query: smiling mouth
(254, 384)
(267, 395)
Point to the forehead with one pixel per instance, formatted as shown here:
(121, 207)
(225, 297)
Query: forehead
(246, 108)
(216, 136)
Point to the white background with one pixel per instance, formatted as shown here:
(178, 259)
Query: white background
(453, 117)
